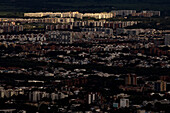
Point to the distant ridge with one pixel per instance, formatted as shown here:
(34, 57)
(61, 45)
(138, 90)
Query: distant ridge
(82, 5)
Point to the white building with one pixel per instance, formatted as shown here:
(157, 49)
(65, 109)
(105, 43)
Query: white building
(53, 14)
(154, 13)
(54, 96)
(61, 37)
(134, 31)
(98, 30)
(99, 15)
(2, 94)
(124, 103)
(123, 12)
(167, 39)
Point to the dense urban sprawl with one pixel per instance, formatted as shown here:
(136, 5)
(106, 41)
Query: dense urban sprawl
(84, 62)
